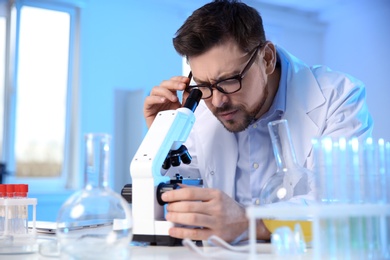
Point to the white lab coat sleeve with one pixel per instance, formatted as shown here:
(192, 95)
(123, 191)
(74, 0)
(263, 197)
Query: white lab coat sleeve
(347, 113)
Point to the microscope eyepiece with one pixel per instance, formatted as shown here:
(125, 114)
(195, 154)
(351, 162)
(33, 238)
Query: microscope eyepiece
(193, 99)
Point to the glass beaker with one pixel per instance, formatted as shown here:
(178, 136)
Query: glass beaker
(95, 222)
(291, 184)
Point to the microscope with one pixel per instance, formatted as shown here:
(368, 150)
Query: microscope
(161, 148)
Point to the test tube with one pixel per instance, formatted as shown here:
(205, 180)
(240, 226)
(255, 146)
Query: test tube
(356, 182)
(354, 172)
(383, 184)
(21, 225)
(331, 167)
(11, 210)
(340, 178)
(371, 191)
(386, 196)
(2, 208)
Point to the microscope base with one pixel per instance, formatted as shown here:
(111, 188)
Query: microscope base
(158, 240)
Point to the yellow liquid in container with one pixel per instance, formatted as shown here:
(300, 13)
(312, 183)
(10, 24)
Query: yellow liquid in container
(273, 224)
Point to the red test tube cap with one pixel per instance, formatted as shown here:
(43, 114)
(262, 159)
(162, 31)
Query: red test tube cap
(3, 190)
(23, 187)
(21, 190)
(10, 190)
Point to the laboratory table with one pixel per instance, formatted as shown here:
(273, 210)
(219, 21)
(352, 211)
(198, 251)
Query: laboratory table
(143, 251)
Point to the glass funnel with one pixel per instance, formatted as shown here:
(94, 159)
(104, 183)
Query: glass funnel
(95, 222)
(291, 184)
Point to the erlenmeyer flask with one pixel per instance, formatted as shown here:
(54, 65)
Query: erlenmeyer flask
(291, 184)
(96, 222)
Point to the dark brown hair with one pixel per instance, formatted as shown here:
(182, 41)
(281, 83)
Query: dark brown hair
(217, 22)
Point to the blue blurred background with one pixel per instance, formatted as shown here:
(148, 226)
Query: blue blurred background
(126, 49)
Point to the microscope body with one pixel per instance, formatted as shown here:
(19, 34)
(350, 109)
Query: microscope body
(169, 131)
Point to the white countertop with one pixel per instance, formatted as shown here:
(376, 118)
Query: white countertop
(142, 251)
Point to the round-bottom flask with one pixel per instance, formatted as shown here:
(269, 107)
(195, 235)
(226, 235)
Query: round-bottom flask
(290, 182)
(95, 222)
(290, 185)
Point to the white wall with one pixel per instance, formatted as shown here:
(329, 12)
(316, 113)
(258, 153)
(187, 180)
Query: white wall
(300, 33)
(357, 42)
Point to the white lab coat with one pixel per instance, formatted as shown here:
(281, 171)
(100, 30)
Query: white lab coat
(319, 102)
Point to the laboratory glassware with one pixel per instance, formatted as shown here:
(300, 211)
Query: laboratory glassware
(352, 172)
(291, 184)
(95, 222)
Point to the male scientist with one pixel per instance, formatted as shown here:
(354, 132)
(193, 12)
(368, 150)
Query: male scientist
(246, 82)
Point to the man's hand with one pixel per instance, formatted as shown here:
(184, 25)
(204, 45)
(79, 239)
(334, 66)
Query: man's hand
(210, 209)
(164, 97)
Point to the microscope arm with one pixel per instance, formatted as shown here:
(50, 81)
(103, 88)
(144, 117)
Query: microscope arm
(169, 130)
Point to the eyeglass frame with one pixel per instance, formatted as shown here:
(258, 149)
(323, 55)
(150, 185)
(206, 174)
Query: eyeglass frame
(238, 77)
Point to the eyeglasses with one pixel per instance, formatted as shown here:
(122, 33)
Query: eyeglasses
(226, 86)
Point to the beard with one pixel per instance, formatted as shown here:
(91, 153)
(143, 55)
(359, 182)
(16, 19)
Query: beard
(247, 118)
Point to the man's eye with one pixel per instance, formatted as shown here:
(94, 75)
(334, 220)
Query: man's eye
(229, 83)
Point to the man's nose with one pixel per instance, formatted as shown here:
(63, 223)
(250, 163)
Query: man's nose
(219, 98)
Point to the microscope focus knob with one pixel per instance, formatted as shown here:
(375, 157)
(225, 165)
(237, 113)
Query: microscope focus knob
(127, 193)
(163, 187)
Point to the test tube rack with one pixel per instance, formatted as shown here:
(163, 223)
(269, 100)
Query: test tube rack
(317, 214)
(17, 242)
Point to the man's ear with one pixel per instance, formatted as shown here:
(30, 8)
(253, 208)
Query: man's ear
(269, 57)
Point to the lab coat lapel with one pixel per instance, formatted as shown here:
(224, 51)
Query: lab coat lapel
(303, 96)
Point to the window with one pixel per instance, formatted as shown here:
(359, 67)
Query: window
(40, 85)
(41, 92)
(2, 79)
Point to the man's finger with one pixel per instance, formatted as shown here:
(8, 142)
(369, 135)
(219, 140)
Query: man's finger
(189, 206)
(191, 233)
(187, 194)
